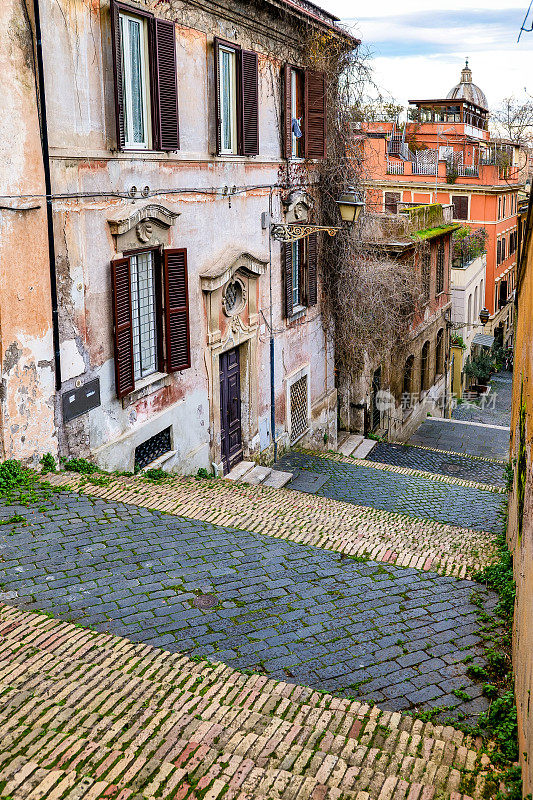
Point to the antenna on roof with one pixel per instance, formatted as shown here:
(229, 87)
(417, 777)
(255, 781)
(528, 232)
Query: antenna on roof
(523, 29)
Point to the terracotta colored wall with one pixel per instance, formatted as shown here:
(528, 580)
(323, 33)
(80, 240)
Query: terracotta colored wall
(26, 366)
(521, 536)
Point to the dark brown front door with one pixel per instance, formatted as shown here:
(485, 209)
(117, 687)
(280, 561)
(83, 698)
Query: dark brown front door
(230, 409)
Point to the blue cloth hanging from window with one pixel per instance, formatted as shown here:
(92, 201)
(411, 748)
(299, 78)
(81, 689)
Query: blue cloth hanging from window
(297, 131)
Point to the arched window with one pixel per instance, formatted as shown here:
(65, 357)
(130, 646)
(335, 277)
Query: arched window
(469, 311)
(408, 376)
(439, 353)
(475, 310)
(424, 368)
(482, 295)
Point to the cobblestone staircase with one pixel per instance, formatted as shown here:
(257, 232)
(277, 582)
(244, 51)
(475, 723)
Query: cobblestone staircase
(87, 716)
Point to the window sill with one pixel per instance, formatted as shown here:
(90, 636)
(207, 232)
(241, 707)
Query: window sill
(297, 313)
(146, 386)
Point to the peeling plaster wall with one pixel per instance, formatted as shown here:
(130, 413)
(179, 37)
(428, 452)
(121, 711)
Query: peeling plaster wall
(520, 529)
(82, 135)
(26, 354)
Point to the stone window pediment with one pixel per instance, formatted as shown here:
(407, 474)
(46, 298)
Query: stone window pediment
(147, 226)
(227, 265)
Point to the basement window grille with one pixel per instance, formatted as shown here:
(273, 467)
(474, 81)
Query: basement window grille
(299, 418)
(152, 448)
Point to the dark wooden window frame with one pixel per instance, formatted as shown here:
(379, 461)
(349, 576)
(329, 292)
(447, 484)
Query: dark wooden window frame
(314, 129)
(307, 274)
(162, 316)
(246, 98)
(161, 138)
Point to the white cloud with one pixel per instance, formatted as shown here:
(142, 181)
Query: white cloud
(419, 50)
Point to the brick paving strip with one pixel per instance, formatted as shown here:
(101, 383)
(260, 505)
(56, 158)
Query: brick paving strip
(87, 715)
(389, 537)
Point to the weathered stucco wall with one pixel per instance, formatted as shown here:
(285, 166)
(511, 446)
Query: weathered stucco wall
(26, 365)
(520, 531)
(82, 137)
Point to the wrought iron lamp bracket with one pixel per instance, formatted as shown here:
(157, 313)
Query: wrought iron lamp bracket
(291, 233)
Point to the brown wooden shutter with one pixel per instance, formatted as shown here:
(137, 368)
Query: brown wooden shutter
(117, 73)
(312, 268)
(178, 350)
(167, 85)
(286, 256)
(287, 112)
(391, 202)
(123, 326)
(218, 118)
(249, 103)
(315, 114)
(460, 206)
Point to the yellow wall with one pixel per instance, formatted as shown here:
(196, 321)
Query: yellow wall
(520, 533)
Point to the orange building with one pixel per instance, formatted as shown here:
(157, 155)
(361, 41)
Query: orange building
(444, 154)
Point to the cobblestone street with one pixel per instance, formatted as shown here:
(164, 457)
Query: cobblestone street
(406, 494)
(357, 585)
(441, 463)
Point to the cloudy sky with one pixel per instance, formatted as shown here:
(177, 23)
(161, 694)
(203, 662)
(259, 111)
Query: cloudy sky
(419, 47)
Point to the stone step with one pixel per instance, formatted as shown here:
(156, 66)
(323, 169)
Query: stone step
(278, 479)
(350, 444)
(257, 475)
(364, 448)
(240, 470)
(341, 437)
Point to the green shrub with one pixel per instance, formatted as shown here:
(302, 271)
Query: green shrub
(80, 465)
(48, 463)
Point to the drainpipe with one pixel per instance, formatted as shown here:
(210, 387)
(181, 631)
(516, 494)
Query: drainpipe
(48, 190)
(272, 361)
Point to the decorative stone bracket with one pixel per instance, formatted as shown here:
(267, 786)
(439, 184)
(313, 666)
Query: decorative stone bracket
(148, 226)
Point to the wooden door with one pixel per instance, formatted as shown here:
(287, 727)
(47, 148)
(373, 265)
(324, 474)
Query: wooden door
(230, 409)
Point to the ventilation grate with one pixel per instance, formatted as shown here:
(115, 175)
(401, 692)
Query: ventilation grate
(152, 448)
(299, 420)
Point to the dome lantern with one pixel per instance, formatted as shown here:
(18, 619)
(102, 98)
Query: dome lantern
(466, 90)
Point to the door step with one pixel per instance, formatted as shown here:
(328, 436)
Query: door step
(349, 443)
(366, 446)
(240, 470)
(256, 475)
(278, 479)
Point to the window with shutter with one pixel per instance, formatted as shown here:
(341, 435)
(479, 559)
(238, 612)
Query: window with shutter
(236, 100)
(312, 269)
(315, 114)
(287, 112)
(167, 85)
(123, 326)
(391, 200)
(177, 338)
(147, 340)
(286, 249)
(460, 206)
(250, 103)
(146, 95)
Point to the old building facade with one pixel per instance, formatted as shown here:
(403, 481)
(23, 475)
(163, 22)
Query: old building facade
(393, 394)
(444, 153)
(180, 318)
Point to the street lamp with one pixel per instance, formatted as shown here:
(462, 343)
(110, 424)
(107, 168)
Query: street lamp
(350, 205)
(484, 316)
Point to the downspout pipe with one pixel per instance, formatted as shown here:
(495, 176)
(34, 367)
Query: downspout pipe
(272, 351)
(48, 191)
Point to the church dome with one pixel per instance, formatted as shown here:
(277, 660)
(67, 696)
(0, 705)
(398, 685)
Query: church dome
(466, 90)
